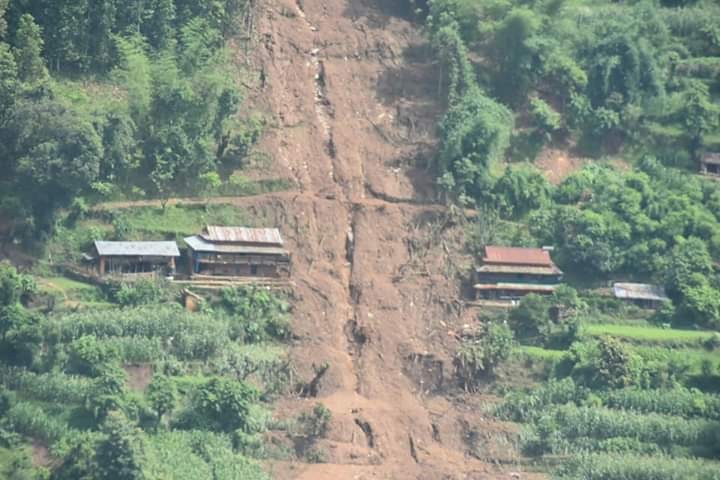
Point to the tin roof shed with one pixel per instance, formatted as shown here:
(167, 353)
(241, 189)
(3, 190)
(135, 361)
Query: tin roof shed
(136, 249)
(639, 291)
(199, 244)
(712, 158)
(268, 236)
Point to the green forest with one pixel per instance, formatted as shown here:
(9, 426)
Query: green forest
(121, 101)
(111, 100)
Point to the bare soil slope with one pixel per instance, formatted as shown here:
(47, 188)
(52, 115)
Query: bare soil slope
(353, 95)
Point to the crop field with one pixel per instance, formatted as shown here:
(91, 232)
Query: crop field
(624, 401)
(78, 391)
(647, 333)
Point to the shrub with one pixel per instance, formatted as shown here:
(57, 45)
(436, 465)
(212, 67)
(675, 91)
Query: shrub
(545, 117)
(478, 357)
(107, 392)
(162, 395)
(316, 423)
(87, 355)
(605, 363)
(257, 314)
(222, 405)
(551, 322)
(141, 292)
(32, 421)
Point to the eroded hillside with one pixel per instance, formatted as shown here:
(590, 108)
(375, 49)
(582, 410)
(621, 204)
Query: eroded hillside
(353, 93)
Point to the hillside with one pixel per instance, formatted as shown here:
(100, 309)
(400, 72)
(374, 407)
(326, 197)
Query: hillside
(502, 220)
(353, 89)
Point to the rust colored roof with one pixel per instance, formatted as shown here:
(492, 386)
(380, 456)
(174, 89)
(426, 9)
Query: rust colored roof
(269, 236)
(517, 256)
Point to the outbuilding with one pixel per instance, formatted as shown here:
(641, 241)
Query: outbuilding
(139, 259)
(238, 252)
(710, 163)
(641, 294)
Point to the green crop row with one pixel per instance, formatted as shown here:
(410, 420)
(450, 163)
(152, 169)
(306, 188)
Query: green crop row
(636, 467)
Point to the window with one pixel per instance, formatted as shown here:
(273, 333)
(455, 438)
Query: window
(253, 270)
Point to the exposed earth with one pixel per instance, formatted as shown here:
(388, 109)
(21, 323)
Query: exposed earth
(353, 96)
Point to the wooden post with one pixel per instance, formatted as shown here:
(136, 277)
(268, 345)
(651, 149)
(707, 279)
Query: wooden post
(101, 266)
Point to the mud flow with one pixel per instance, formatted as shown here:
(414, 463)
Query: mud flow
(352, 90)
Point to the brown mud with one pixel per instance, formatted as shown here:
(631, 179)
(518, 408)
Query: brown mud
(352, 91)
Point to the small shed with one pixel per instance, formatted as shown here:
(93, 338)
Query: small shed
(136, 258)
(710, 163)
(238, 252)
(643, 295)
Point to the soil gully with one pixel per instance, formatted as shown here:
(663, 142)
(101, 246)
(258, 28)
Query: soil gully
(330, 85)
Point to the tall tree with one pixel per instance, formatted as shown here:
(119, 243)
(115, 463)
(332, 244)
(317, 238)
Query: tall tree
(121, 455)
(699, 113)
(8, 85)
(3, 22)
(28, 51)
(159, 26)
(101, 23)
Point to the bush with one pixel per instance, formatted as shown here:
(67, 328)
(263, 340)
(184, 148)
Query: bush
(545, 117)
(475, 358)
(107, 392)
(222, 405)
(257, 314)
(316, 423)
(605, 363)
(141, 292)
(87, 356)
(550, 322)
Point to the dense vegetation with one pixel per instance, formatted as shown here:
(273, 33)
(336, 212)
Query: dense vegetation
(110, 98)
(613, 387)
(67, 382)
(636, 81)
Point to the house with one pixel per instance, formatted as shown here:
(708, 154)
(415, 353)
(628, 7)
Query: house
(641, 294)
(508, 273)
(238, 252)
(710, 163)
(135, 259)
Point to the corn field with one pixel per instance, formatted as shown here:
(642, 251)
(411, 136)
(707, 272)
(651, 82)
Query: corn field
(45, 387)
(636, 467)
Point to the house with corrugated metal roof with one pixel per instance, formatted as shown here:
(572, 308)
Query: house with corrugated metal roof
(238, 252)
(643, 295)
(135, 259)
(508, 273)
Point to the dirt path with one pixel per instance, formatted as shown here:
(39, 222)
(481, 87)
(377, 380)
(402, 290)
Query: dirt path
(353, 95)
